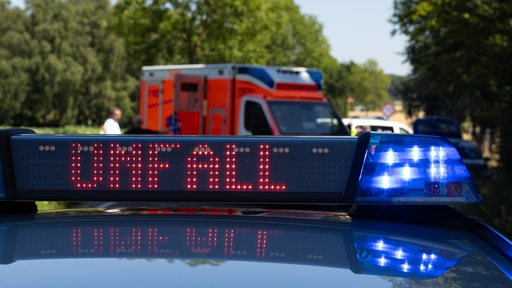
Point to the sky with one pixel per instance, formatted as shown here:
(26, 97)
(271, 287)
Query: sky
(357, 30)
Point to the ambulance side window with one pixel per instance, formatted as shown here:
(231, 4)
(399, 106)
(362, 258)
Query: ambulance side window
(255, 120)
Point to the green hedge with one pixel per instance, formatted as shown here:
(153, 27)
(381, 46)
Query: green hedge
(65, 130)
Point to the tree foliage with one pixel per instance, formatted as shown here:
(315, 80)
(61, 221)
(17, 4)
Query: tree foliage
(369, 85)
(15, 54)
(62, 65)
(460, 51)
(266, 32)
(365, 83)
(338, 86)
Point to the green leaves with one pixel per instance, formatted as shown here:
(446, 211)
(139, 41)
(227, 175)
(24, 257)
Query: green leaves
(266, 32)
(15, 52)
(61, 65)
(452, 48)
(365, 84)
(370, 85)
(460, 54)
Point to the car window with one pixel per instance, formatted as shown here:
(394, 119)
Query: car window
(255, 119)
(403, 131)
(306, 118)
(383, 129)
(376, 125)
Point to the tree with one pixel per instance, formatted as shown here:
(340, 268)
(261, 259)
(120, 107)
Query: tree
(369, 85)
(189, 31)
(338, 87)
(15, 53)
(295, 39)
(460, 54)
(266, 32)
(69, 68)
(105, 82)
(395, 88)
(145, 30)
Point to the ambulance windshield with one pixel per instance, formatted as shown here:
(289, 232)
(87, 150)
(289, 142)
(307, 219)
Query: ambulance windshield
(306, 118)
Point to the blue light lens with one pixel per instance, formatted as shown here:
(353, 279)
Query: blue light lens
(404, 258)
(406, 169)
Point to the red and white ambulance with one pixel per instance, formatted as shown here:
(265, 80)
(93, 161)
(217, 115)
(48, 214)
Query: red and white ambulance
(236, 99)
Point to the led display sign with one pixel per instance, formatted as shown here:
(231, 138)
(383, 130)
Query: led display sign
(180, 166)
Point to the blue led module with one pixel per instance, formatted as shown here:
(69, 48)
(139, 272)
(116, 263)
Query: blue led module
(400, 169)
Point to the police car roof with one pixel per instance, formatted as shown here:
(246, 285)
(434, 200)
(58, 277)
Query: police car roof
(381, 216)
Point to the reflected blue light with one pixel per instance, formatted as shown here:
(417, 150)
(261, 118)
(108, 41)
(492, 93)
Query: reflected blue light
(380, 245)
(406, 169)
(382, 261)
(405, 267)
(399, 253)
(395, 256)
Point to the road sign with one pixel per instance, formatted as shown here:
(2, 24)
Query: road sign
(388, 110)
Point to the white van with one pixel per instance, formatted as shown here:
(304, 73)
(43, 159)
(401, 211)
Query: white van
(376, 125)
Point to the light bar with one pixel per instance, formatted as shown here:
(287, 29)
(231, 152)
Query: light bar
(383, 168)
(422, 170)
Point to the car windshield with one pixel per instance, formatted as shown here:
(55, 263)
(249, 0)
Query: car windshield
(299, 118)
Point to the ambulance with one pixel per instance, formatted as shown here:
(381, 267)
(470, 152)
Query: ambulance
(236, 99)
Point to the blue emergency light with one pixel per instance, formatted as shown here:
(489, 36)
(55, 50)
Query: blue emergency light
(390, 256)
(370, 168)
(404, 169)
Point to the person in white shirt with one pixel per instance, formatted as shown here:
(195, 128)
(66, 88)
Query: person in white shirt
(111, 125)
